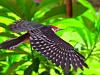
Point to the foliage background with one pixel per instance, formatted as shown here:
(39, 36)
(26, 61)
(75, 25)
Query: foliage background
(82, 31)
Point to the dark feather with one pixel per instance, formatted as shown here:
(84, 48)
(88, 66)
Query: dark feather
(56, 49)
(22, 26)
(13, 43)
(44, 40)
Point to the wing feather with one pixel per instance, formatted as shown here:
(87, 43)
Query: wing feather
(56, 49)
(22, 26)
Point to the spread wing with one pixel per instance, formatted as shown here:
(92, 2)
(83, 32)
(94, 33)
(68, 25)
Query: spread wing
(43, 39)
(13, 43)
(56, 49)
(21, 26)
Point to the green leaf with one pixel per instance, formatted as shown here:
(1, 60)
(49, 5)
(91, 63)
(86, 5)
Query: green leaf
(21, 51)
(33, 67)
(36, 63)
(29, 70)
(28, 7)
(68, 23)
(57, 71)
(11, 5)
(19, 7)
(82, 35)
(4, 26)
(5, 54)
(5, 34)
(60, 10)
(48, 3)
(12, 67)
(88, 23)
(98, 23)
(4, 13)
(45, 73)
(78, 9)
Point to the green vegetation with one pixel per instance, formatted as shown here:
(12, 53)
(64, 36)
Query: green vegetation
(82, 31)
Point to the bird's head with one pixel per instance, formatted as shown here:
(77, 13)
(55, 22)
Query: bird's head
(55, 29)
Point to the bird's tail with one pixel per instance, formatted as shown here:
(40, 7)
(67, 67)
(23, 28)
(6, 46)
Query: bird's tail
(13, 43)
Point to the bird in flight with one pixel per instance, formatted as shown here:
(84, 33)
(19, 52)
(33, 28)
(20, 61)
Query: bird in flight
(43, 39)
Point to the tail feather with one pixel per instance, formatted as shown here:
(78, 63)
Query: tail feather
(67, 64)
(73, 59)
(13, 43)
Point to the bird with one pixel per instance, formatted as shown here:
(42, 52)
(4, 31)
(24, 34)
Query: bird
(43, 39)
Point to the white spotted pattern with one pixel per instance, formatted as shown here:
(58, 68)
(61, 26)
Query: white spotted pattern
(60, 53)
(43, 39)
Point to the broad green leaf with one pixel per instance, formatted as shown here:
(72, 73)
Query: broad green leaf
(68, 23)
(11, 5)
(19, 8)
(78, 9)
(4, 26)
(49, 3)
(60, 10)
(82, 35)
(12, 67)
(28, 7)
(45, 73)
(88, 23)
(98, 22)
(86, 4)
(57, 71)
(21, 51)
(5, 20)
(4, 13)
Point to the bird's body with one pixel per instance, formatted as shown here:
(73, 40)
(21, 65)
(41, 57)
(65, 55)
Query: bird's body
(44, 40)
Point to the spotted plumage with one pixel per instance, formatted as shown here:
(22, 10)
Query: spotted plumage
(57, 50)
(44, 40)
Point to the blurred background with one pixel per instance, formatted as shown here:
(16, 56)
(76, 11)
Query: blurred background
(81, 24)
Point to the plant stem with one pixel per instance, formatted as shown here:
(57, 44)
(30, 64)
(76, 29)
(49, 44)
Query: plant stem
(68, 8)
